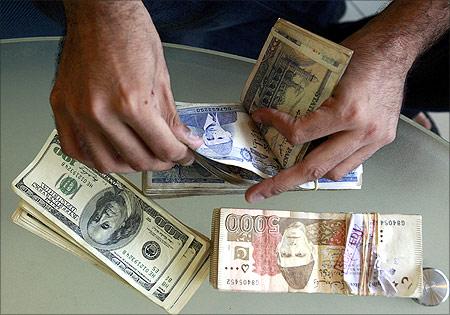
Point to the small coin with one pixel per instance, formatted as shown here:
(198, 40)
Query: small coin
(435, 287)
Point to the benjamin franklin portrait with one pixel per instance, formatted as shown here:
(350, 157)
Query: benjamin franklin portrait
(111, 219)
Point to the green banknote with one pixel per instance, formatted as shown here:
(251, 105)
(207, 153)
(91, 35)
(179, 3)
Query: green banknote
(111, 223)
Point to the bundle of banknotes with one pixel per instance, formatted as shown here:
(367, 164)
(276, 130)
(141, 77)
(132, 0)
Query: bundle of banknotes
(295, 73)
(105, 220)
(342, 253)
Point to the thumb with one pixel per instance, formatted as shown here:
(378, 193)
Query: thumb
(186, 136)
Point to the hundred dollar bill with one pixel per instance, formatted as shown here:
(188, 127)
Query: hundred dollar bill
(295, 72)
(30, 219)
(342, 253)
(23, 217)
(107, 217)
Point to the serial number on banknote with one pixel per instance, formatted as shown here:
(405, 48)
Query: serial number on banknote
(393, 222)
(249, 282)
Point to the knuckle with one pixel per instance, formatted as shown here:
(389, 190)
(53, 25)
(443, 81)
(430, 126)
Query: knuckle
(161, 166)
(351, 113)
(277, 186)
(105, 163)
(127, 107)
(141, 165)
(54, 98)
(167, 154)
(91, 110)
(95, 112)
(390, 136)
(295, 136)
(103, 167)
(164, 85)
(371, 131)
(109, 167)
(335, 175)
(69, 148)
(314, 172)
(166, 76)
(70, 151)
(173, 120)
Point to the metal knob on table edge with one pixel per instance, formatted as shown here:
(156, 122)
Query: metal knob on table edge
(435, 287)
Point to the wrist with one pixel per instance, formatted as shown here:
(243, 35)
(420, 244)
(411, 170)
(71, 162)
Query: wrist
(381, 55)
(97, 12)
(398, 35)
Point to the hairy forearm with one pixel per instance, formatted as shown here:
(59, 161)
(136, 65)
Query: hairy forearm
(403, 31)
(88, 12)
(110, 24)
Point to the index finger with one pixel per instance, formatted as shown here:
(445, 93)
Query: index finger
(314, 125)
(159, 137)
(314, 166)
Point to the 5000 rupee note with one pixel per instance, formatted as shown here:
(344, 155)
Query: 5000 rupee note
(286, 251)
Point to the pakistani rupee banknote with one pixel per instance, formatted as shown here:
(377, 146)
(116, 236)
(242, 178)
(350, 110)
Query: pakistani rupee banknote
(230, 137)
(342, 253)
(107, 221)
(233, 157)
(196, 180)
(295, 73)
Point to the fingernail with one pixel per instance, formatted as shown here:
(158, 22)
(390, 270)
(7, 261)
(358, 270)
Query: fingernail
(196, 142)
(190, 134)
(193, 136)
(255, 198)
(190, 162)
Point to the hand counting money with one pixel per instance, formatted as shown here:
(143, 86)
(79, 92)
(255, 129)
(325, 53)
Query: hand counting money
(343, 253)
(295, 73)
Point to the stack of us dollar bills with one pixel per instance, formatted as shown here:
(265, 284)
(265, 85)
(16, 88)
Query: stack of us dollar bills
(295, 73)
(341, 253)
(105, 220)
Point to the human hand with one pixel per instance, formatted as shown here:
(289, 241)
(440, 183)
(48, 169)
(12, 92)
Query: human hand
(112, 99)
(359, 118)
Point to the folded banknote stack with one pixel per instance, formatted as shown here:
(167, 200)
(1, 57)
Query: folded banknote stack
(196, 180)
(341, 253)
(105, 220)
(295, 73)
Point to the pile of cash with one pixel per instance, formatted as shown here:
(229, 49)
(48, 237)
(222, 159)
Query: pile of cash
(105, 220)
(342, 253)
(295, 73)
(196, 180)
